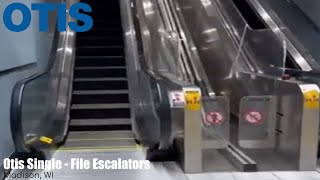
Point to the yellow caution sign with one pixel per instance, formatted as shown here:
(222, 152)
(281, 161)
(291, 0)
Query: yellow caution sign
(193, 99)
(311, 99)
(46, 140)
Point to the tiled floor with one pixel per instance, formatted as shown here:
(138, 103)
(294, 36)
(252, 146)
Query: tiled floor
(257, 176)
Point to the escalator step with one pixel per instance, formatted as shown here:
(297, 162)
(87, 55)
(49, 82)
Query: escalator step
(109, 2)
(100, 143)
(100, 122)
(101, 23)
(100, 98)
(100, 85)
(101, 135)
(99, 41)
(101, 106)
(100, 113)
(101, 92)
(98, 14)
(100, 139)
(101, 79)
(100, 128)
(99, 61)
(102, 32)
(100, 72)
(100, 51)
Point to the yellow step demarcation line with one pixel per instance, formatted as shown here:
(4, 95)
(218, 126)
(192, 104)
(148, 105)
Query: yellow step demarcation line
(140, 147)
(97, 149)
(31, 140)
(100, 148)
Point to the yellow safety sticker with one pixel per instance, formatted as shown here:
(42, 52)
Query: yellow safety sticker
(311, 99)
(193, 99)
(46, 140)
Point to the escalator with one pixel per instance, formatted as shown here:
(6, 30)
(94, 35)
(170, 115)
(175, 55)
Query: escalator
(100, 97)
(292, 67)
(248, 52)
(100, 109)
(99, 93)
(255, 22)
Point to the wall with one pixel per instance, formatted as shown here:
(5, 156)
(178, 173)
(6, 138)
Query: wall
(7, 83)
(25, 47)
(311, 8)
(17, 49)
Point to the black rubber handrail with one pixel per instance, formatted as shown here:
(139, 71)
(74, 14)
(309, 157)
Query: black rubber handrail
(16, 69)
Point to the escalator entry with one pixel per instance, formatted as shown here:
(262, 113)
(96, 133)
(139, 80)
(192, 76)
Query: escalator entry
(100, 107)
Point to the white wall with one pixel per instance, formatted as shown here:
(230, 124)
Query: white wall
(7, 83)
(25, 47)
(17, 49)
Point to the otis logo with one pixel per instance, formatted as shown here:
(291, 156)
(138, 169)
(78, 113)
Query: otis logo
(43, 10)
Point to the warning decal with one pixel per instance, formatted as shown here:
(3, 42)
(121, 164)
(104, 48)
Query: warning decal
(46, 140)
(193, 99)
(177, 99)
(253, 117)
(214, 118)
(311, 99)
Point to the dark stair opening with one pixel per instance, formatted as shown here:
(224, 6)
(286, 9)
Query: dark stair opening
(100, 100)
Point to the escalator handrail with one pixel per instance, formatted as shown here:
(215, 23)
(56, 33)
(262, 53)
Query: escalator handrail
(16, 103)
(15, 112)
(166, 77)
(56, 56)
(192, 55)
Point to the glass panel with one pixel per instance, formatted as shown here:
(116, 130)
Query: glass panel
(263, 52)
(160, 45)
(167, 52)
(231, 17)
(215, 121)
(173, 52)
(35, 106)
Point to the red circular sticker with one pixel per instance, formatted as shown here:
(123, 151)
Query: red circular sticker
(214, 118)
(254, 117)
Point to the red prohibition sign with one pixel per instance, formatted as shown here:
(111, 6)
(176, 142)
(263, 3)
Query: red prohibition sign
(214, 118)
(253, 117)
